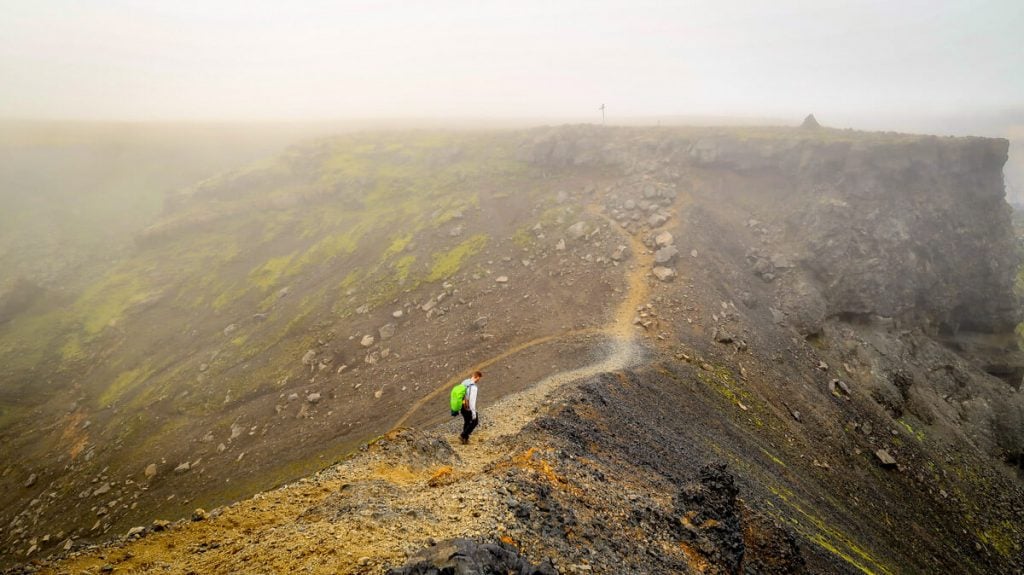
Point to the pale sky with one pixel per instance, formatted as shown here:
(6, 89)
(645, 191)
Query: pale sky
(261, 60)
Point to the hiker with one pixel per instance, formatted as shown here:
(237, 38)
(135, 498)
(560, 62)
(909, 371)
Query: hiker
(469, 414)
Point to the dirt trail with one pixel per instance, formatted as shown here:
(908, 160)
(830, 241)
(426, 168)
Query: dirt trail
(621, 327)
(371, 511)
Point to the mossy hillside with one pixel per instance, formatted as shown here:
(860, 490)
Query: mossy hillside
(220, 271)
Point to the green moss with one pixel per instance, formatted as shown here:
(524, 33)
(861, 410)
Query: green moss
(1000, 537)
(917, 434)
(448, 263)
(402, 267)
(398, 244)
(269, 273)
(524, 238)
(777, 461)
(105, 303)
(124, 383)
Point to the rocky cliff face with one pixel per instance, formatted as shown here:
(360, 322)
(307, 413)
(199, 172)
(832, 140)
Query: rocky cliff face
(909, 227)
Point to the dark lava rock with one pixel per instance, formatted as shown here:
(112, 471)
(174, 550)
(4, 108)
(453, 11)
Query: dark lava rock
(467, 557)
(712, 516)
(810, 123)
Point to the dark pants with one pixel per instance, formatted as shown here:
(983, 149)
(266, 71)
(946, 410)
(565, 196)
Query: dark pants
(468, 424)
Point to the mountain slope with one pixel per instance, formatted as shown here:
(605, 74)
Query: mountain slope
(855, 410)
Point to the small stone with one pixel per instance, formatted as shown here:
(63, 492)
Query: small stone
(657, 220)
(230, 329)
(664, 239)
(377, 394)
(199, 514)
(184, 467)
(31, 480)
(160, 525)
(665, 254)
(135, 531)
(108, 568)
(386, 331)
(693, 253)
(560, 246)
(577, 230)
(150, 471)
(822, 366)
(397, 313)
(664, 274)
(313, 398)
(221, 447)
(721, 335)
(364, 561)
(101, 490)
(309, 357)
(619, 254)
(885, 458)
(367, 340)
(501, 279)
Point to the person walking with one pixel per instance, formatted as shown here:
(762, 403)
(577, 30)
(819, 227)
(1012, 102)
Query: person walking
(469, 413)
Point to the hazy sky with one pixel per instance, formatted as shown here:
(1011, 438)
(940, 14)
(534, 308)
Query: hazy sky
(254, 59)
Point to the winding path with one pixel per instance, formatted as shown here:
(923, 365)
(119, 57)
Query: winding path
(625, 346)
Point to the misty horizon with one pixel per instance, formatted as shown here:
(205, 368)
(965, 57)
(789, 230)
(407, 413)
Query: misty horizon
(845, 62)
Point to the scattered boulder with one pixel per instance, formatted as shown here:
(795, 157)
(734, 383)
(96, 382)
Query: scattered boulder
(397, 313)
(160, 524)
(722, 335)
(664, 239)
(199, 514)
(810, 123)
(182, 468)
(480, 322)
(309, 357)
(313, 398)
(577, 230)
(664, 274)
(135, 531)
(620, 253)
(150, 471)
(560, 246)
(665, 254)
(386, 331)
(885, 458)
(656, 220)
(31, 480)
(101, 490)
(501, 279)
(367, 340)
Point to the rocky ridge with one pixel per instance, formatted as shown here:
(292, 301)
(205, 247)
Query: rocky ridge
(820, 395)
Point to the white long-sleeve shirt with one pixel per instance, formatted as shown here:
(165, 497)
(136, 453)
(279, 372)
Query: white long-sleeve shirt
(471, 395)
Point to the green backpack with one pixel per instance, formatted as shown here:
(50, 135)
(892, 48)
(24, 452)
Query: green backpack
(458, 398)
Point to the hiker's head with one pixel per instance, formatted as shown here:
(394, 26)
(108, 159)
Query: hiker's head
(477, 375)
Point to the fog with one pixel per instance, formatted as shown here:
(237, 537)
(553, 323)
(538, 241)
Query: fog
(260, 60)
